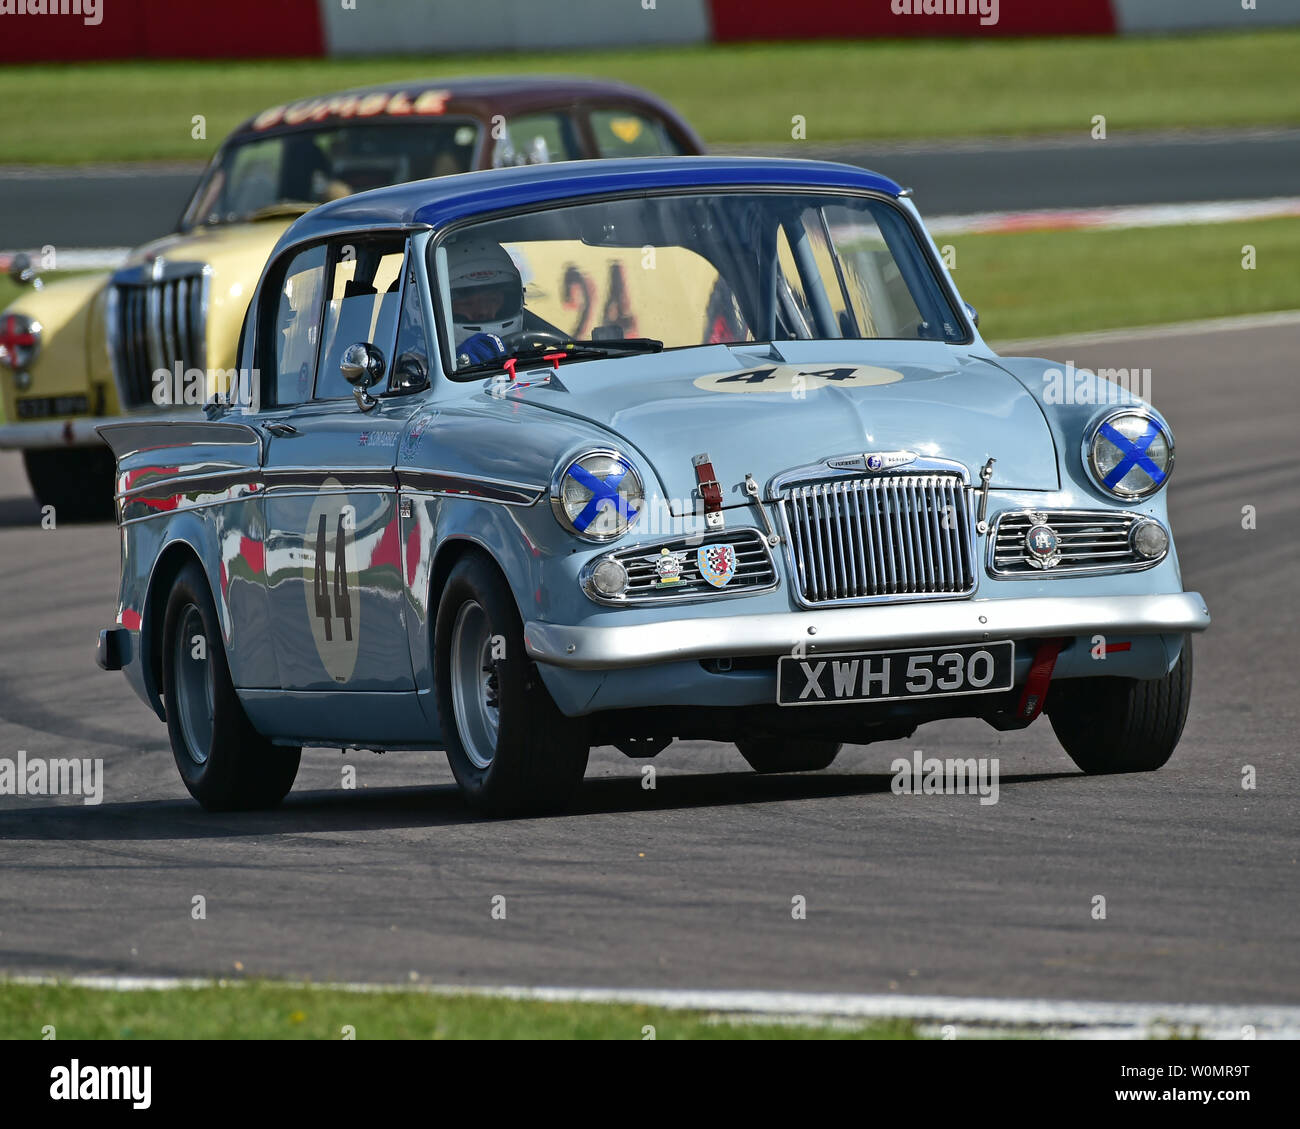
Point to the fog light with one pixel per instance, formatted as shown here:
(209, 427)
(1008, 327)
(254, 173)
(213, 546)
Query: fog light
(1150, 539)
(609, 578)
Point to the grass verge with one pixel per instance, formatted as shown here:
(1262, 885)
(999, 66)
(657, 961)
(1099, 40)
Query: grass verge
(1038, 284)
(266, 1010)
(748, 93)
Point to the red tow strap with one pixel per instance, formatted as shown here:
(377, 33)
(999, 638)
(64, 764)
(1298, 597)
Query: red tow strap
(1040, 676)
(710, 491)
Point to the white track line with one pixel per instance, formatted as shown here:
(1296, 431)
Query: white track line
(1176, 329)
(1066, 1018)
(1116, 218)
(75, 258)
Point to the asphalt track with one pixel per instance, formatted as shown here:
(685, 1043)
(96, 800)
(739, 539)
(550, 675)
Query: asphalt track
(119, 207)
(691, 885)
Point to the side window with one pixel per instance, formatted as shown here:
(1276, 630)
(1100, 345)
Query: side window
(365, 283)
(626, 133)
(410, 368)
(535, 139)
(291, 321)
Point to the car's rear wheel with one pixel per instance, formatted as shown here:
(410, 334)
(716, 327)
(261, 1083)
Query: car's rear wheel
(225, 763)
(76, 481)
(1111, 725)
(783, 754)
(511, 749)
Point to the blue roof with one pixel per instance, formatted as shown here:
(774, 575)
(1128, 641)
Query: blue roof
(445, 199)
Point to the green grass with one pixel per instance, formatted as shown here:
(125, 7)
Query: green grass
(263, 1010)
(743, 94)
(1036, 284)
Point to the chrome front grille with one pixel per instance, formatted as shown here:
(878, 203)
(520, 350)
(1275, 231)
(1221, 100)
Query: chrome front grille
(157, 319)
(1089, 540)
(894, 536)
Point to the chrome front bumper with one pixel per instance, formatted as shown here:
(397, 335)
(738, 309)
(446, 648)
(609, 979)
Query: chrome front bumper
(865, 628)
(76, 432)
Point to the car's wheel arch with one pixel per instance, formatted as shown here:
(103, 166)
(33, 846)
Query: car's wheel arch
(167, 567)
(449, 554)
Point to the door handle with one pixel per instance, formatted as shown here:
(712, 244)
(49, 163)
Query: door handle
(280, 430)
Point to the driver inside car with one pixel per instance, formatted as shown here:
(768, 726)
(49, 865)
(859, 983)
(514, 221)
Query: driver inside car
(487, 299)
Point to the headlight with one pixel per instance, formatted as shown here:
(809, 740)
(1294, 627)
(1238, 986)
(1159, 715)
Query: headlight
(1130, 453)
(20, 340)
(597, 495)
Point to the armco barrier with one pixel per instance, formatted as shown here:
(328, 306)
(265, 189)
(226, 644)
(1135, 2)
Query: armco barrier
(71, 30)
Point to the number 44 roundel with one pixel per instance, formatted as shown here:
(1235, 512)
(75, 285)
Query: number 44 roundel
(333, 602)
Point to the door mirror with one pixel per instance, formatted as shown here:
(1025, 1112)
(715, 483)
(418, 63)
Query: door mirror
(973, 314)
(362, 367)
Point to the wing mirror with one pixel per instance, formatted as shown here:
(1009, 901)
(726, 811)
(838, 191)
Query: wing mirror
(973, 314)
(362, 367)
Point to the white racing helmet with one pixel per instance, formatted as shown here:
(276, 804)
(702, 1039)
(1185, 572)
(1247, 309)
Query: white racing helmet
(479, 271)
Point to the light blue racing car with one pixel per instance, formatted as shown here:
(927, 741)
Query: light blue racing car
(521, 462)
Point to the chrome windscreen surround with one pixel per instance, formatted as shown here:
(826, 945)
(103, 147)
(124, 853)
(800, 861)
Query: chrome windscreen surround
(901, 534)
(157, 316)
(755, 570)
(1090, 542)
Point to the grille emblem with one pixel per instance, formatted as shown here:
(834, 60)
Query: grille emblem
(717, 563)
(1042, 545)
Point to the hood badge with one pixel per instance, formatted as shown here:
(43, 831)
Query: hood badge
(873, 461)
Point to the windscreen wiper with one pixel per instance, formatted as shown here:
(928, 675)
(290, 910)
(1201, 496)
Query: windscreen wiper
(539, 353)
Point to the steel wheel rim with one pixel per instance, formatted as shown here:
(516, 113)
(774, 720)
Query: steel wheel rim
(473, 684)
(195, 699)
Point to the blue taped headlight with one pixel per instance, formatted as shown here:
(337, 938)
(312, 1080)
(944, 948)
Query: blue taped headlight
(597, 495)
(1130, 453)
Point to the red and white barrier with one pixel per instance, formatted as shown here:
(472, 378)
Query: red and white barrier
(68, 30)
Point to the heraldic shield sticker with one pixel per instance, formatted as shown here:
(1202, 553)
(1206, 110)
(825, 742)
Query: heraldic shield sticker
(717, 563)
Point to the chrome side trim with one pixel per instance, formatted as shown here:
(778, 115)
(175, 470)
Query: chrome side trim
(454, 484)
(873, 628)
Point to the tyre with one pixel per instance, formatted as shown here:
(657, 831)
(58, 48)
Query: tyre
(511, 749)
(1111, 725)
(76, 481)
(780, 754)
(225, 763)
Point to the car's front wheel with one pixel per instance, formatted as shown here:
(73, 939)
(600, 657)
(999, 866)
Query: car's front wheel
(76, 481)
(782, 754)
(511, 749)
(225, 763)
(1112, 725)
